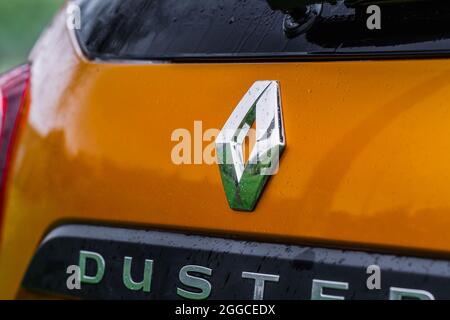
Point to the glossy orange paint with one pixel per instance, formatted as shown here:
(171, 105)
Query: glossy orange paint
(367, 163)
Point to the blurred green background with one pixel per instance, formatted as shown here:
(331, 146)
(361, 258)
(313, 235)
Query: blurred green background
(21, 23)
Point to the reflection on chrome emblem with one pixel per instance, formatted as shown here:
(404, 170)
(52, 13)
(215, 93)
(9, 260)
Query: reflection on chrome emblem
(244, 181)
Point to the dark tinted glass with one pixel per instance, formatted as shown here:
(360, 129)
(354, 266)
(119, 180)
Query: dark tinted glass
(221, 29)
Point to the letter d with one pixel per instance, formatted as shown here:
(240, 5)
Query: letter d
(100, 262)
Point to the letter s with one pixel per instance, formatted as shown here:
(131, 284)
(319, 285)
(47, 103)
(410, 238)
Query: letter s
(195, 282)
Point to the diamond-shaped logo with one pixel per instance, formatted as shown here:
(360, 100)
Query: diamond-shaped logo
(244, 181)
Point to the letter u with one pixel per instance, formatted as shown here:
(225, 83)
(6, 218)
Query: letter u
(145, 284)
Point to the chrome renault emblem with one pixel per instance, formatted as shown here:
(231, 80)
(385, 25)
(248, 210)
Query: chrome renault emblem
(244, 181)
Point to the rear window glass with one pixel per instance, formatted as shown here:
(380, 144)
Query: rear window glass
(272, 29)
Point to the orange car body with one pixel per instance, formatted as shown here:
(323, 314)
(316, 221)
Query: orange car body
(367, 162)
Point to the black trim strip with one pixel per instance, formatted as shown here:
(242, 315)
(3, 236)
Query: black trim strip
(296, 265)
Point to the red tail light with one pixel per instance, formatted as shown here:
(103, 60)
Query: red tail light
(13, 88)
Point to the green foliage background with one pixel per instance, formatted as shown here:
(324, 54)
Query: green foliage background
(21, 23)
